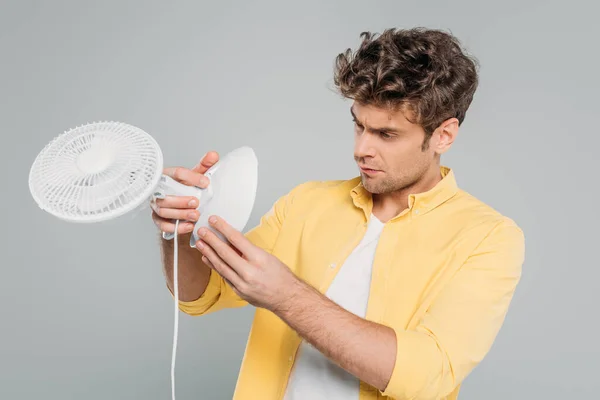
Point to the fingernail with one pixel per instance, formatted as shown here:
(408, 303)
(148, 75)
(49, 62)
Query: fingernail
(212, 219)
(192, 216)
(202, 232)
(199, 244)
(192, 203)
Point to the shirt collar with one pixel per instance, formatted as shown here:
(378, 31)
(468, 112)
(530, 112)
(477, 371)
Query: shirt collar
(417, 203)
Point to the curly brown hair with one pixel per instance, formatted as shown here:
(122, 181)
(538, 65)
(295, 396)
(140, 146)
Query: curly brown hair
(419, 70)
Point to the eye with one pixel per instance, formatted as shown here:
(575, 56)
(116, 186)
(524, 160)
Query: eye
(385, 135)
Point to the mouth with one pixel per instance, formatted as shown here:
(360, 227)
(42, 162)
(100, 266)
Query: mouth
(368, 171)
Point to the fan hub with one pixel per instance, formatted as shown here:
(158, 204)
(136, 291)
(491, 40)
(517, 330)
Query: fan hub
(94, 160)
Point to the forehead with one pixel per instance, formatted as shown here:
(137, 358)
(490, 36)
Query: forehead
(380, 116)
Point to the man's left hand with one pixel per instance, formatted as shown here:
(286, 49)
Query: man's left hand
(255, 275)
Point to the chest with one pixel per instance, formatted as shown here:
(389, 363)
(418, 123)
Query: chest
(410, 261)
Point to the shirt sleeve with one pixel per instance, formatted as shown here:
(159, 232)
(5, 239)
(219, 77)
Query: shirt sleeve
(218, 294)
(461, 325)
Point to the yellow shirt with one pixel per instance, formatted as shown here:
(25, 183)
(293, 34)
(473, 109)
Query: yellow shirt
(444, 273)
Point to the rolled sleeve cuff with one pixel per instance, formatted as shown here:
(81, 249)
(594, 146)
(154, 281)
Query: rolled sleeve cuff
(418, 367)
(202, 304)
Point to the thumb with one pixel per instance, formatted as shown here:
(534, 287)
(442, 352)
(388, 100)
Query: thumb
(207, 161)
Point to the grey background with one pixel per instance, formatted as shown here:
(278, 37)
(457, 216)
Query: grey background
(84, 311)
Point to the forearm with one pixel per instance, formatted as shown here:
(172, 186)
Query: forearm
(193, 275)
(365, 349)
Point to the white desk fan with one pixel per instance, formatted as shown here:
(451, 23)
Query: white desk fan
(103, 170)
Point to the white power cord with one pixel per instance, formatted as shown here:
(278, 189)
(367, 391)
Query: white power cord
(176, 322)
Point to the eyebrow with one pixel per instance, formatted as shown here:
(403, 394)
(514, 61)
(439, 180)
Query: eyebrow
(385, 129)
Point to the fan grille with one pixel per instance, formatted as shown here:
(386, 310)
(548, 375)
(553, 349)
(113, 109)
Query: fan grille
(96, 171)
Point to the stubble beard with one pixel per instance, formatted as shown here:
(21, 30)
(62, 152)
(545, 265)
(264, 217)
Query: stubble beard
(385, 184)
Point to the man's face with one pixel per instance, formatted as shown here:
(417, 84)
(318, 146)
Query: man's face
(392, 147)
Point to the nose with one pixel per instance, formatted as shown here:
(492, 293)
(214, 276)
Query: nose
(363, 146)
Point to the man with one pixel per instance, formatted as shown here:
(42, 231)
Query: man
(393, 284)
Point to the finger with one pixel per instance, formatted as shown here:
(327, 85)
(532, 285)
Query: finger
(224, 251)
(207, 262)
(235, 237)
(206, 162)
(187, 176)
(189, 202)
(168, 226)
(218, 264)
(176, 213)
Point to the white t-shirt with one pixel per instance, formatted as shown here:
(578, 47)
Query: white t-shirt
(314, 376)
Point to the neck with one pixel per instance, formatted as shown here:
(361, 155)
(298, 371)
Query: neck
(388, 205)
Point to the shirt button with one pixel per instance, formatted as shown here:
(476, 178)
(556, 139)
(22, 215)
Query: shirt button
(416, 211)
(332, 265)
(291, 358)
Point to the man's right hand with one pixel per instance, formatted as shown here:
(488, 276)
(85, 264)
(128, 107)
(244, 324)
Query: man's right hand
(166, 211)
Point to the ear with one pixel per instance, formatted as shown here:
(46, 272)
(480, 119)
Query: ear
(445, 135)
